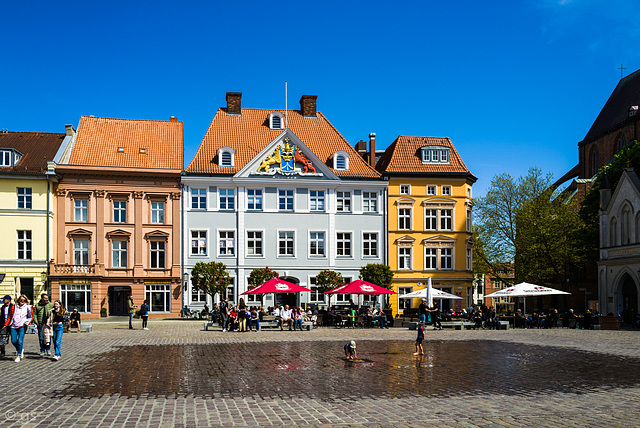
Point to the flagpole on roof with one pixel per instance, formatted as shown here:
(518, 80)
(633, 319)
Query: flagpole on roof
(286, 122)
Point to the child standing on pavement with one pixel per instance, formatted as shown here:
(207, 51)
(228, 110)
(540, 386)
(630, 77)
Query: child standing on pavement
(350, 350)
(419, 339)
(144, 314)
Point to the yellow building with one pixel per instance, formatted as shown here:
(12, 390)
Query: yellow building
(27, 181)
(429, 219)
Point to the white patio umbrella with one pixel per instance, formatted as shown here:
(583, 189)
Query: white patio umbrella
(436, 294)
(524, 289)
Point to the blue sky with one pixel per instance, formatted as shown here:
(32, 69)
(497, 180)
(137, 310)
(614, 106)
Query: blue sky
(514, 84)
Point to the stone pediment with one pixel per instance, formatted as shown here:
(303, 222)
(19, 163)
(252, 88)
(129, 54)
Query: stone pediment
(156, 234)
(80, 232)
(118, 233)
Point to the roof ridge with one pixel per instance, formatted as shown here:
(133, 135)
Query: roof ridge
(128, 120)
(32, 132)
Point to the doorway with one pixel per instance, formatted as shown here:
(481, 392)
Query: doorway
(118, 298)
(26, 288)
(629, 300)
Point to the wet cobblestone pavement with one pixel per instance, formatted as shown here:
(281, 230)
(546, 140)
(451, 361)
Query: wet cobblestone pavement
(178, 375)
(316, 370)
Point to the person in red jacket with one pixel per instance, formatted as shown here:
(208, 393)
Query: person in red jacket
(6, 310)
(21, 317)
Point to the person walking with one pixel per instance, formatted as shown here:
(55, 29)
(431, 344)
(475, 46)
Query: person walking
(40, 312)
(132, 309)
(20, 317)
(144, 314)
(224, 313)
(55, 321)
(419, 339)
(5, 313)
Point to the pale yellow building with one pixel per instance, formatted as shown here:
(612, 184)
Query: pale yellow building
(429, 219)
(27, 184)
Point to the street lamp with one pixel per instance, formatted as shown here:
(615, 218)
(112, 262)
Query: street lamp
(45, 282)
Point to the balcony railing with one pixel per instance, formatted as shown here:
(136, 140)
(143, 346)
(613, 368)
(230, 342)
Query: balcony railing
(65, 269)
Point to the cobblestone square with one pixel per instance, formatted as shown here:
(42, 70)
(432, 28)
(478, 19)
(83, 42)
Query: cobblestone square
(177, 374)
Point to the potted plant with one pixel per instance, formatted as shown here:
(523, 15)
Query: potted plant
(103, 312)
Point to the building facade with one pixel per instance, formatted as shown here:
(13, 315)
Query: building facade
(429, 219)
(619, 265)
(118, 217)
(281, 189)
(27, 185)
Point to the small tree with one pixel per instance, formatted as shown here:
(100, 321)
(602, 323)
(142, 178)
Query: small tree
(327, 280)
(212, 277)
(260, 276)
(378, 274)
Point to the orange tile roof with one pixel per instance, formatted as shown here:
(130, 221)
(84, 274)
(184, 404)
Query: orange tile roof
(99, 140)
(36, 147)
(249, 133)
(404, 156)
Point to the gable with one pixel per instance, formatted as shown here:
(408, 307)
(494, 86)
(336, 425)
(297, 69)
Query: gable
(627, 190)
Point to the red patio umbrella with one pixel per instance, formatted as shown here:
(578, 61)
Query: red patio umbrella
(360, 287)
(276, 285)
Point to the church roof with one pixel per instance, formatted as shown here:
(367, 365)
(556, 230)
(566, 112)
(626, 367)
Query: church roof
(249, 132)
(616, 111)
(36, 149)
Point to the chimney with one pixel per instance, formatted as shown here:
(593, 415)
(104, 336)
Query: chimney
(372, 149)
(173, 119)
(234, 104)
(361, 148)
(308, 105)
(70, 130)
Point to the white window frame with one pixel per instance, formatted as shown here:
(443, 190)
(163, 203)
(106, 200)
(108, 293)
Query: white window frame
(317, 200)
(164, 290)
(288, 241)
(430, 258)
(5, 158)
(283, 195)
(366, 244)
(157, 212)
(444, 257)
(227, 199)
(404, 303)
(405, 215)
(469, 259)
(343, 201)
(81, 252)
(405, 189)
(253, 241)
(226, 151)
(255, 197)
(432, 190)
(315, 296)
(24, 245)
(345, 161)
(119, 254)
(369, 199)
(430, 218)
(76, 288)
(201, 240)
(81, 210)
(446, 219)
(316, 239)
(272, 122)
(469, 220)
(119, 211)
(199, 198)
(435, 154)
(445, 190)
(25, 198)
(346, 238)
(405, 257)
(226, 240)
(157, 254)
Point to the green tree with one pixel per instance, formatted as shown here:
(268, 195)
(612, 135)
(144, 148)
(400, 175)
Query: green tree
(327, 280)
(212, 277)
(260, 276)
(377, 274)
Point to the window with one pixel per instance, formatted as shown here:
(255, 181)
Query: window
(24, 244)
(431, 219)
(230, 292)
(276, 122)
(254, 199)
(254, 243)
(404, 257)
(80, 251)
(446, 219)
(343, 201)
(227, 199)
(119, 211)
(612, 233)
(198, 296)
(81, 210)
(315, 295)
(404, 303)
(76, 296)
(199, 199)
(435, 154)
(285, 243)
(159, 297)
(316, 199)
(469, 224)
(404, 218)
(285, 200)
(157, 254)
(119, 254)
(225, 159)
(369, 202)
(341, 162)
(431, 259)
(24, 198)
(157, 212)
(5, 158)
(343, 244)
(446, 190)
(469, 260)
(431, 190)
(370, 245)
(316, 244)
(198, 242)
(446, 258)
(226, 243)
(625, 226)
(405, 189)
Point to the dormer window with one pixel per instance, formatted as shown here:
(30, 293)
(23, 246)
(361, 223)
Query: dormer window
(633, 110)
(226, 157)
(276, 120)
(341, 161)
(9, 158)
(435, 154)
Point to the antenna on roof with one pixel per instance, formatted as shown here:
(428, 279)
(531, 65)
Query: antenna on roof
(286, 122)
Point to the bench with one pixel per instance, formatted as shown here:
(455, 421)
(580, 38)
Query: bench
(208, 324)
(308, 325)
(85, 328)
